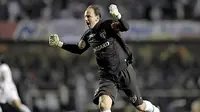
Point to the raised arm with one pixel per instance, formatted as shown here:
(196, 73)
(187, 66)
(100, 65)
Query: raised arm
(118, 23)
(73, 48)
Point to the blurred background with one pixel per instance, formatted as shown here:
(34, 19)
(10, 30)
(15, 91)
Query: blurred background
(164, 37)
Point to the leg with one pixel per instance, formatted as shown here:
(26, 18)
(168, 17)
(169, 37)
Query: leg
(105, 95)
(20, 107)
(105, 103)
(129, 86)
(14, 100)
(16, 104)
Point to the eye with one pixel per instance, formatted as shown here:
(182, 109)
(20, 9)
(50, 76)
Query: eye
(89, 16)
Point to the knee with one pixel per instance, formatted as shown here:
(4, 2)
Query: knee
(103, 106)
(105, 102)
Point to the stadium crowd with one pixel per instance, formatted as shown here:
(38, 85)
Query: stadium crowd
(16, 10)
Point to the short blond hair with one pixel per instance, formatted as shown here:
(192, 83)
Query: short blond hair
(96, 10)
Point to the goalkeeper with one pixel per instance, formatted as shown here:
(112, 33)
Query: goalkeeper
(113, 58)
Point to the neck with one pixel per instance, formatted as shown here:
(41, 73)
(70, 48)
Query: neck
(95, 24)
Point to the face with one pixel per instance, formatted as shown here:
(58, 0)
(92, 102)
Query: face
(90, 18)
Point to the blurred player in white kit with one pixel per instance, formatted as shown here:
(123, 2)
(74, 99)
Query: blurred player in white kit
(8, 91)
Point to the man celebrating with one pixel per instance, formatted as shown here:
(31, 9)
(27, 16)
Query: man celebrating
(113, 58)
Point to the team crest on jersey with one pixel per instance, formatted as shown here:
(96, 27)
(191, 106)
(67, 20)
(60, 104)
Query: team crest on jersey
(103, 34)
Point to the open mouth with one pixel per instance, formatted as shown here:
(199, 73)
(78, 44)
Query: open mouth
(88, 23)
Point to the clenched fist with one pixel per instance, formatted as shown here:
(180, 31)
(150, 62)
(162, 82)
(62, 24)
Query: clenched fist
(55, 41)
(114, 11)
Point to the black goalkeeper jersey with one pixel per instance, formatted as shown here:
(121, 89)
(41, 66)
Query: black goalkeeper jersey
(104, 40)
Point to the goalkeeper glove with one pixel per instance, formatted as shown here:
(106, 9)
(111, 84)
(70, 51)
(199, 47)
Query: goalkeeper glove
(114, 11)
(55, 41)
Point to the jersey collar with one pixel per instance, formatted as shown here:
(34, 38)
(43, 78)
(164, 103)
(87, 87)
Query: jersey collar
(97, 25)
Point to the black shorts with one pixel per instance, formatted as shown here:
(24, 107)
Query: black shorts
(125, 81)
